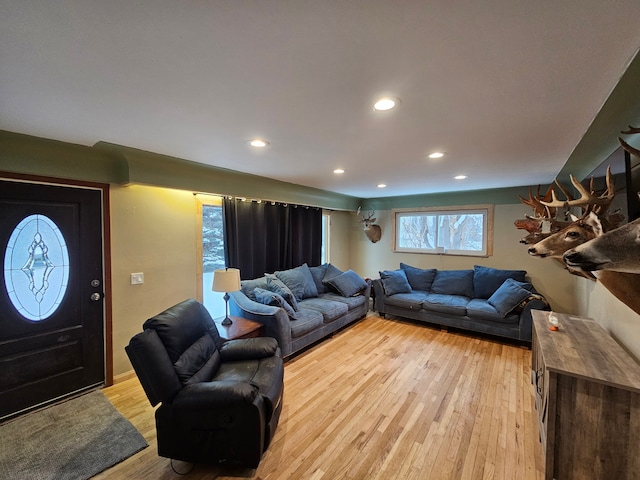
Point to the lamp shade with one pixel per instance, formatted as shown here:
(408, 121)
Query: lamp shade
(227, 280)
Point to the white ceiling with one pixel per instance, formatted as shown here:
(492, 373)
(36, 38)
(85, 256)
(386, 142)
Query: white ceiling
(506, 87)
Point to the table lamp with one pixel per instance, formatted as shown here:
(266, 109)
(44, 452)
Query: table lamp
(227, 280)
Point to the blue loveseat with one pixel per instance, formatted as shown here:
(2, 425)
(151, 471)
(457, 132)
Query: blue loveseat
(487, 300)
(302, 305)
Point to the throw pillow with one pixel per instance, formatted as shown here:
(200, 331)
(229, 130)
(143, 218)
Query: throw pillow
(267, 297)
(453, 282)
(509, 295)
(330, 272)
(395, 281)
(348, 284)
(276, 285)
(318, 275)
(487, 280)
(300, 281)
(247, 286)
(418, 278)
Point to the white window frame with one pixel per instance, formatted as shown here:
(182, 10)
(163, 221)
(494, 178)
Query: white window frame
(487, 238)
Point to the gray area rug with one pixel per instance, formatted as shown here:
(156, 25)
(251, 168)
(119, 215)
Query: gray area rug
(72, 440)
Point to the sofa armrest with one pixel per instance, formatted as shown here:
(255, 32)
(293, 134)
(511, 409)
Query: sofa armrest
(535, 302)
(248, 349)
(153, 367)
(275, 320)
(378, 295)
(207, 395)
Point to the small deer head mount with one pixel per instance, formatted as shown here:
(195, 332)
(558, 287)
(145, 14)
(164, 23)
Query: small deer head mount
(371, 230)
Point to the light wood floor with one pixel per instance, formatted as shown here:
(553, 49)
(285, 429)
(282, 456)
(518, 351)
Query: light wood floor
(384, 399)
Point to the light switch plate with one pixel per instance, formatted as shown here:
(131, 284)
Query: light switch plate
(137, 278)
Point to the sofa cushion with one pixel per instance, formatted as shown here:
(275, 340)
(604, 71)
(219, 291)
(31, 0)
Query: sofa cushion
(453, 282)
(318, 275)
(247, 286)
(276, 285)
(348, 283)
(412, 301)
(199, 362)
(300, 281)
(487, 280)
(330, 310)
(480, 309)
(351, 302)
(308, 321)
(510, 294)
(419, 279)
(395, 281)
(452, 304)
(267, 297)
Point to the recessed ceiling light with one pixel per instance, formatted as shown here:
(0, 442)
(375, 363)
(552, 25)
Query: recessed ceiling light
(258, 142)
(436, 155)
(338, 171)
(460, 177)
(386, 103)
(382, 185)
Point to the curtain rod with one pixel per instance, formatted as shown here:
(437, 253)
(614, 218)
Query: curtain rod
(261, 200)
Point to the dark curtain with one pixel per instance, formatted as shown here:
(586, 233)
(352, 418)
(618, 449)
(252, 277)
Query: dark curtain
(263, 237)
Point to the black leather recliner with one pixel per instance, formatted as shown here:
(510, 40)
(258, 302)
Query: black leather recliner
(220, 401)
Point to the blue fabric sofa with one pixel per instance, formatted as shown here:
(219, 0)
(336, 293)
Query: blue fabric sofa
(302, 305)
(486, 300)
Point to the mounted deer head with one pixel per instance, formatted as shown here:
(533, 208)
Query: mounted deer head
(617, 250)
(371, 230)
(576, 233)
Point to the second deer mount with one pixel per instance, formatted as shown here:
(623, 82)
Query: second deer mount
(371, 230)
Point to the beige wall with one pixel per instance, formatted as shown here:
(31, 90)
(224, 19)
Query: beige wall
(622, 323)
(153, 231)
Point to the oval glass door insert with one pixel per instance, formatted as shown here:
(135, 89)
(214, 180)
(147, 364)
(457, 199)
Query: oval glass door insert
(36, 267)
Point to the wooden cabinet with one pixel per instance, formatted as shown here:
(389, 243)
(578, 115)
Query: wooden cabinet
(587, 396)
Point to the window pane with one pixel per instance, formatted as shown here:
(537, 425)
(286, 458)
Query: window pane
(324, 254)
(462, 232)
(417, 231)
(212, 257)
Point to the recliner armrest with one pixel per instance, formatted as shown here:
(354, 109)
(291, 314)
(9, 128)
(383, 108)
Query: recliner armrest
(248, 349)
(208, 395)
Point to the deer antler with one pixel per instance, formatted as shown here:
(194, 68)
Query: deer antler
(625, 145)
(588, 200)
(540, 211)
(631, 130)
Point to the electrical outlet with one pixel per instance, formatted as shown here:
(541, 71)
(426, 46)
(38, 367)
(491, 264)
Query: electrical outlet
(137, 278)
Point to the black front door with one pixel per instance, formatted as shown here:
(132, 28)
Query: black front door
(51, 293)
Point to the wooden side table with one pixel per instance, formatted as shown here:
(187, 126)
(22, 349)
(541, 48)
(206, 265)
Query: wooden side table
(240, 328)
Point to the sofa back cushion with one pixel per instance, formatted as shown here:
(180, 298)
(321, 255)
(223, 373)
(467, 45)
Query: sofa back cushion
(419, 279)
(487, 280)
(248, 286)
(453, 282)
(181, 326)
(300, 282)
(199, 362)
(318, 275)
(395, 281)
